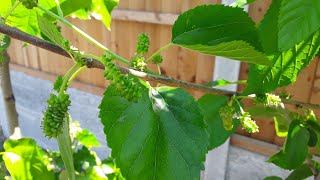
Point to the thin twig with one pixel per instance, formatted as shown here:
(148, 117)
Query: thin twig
(92, 63)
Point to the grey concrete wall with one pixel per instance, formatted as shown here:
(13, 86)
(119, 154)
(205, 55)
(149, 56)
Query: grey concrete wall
(246, 165)
(31, 94)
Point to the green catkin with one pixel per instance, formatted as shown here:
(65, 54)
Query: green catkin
(55, 114)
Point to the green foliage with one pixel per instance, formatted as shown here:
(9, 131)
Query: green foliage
(68, 7)
(4, 41)
(268, 28)
(22, 18)
(261, 111)
(272, 178)
(286, 64)
(29, 4)
(281, 125)
(2, 52)
(240, 3)
(162, 136)
(50, 31)
(86, 138)
(223, 82)
(94, 173)
(143, 44)
(55, 115)
(298, 20)
(25, 160)
(84, 157)
(210, 105)
(26, 19)
(295, 150)
(220, 36)
(313, 138)
(276, 113)
(300, 173)
(102, 8)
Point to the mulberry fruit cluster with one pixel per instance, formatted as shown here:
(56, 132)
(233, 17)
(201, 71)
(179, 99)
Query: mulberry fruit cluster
(226, 113)
(29, 4)
(267, 99)
(54, 115)
(247, 123)
(137, 63)
(143, 44)
(158, 59)
(125, 85)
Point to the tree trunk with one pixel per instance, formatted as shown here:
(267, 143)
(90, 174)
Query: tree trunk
(9, 100)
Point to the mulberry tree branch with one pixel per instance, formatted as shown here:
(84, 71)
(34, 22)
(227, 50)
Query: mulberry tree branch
(92, 63)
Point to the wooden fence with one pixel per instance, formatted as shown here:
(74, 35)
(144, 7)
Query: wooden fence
(154, 18)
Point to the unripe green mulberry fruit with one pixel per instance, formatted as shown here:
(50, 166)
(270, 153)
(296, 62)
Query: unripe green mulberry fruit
(137, 63)
(55, 114)
(143, 44)
(124, 84)
(157, 59)
(226, 113)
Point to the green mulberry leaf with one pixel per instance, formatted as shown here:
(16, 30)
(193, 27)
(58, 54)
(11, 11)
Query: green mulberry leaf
(25, 160)
(286, 67)
(50, 31)
(21, 18)
(298, 20)
(103, 8)
(295, 149)
(230, 33)
(301, 173)
(162, 136)
(86, 138)
(268, 29)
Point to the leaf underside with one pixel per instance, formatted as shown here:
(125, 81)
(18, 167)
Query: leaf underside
(286, 64)
(298, 20)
